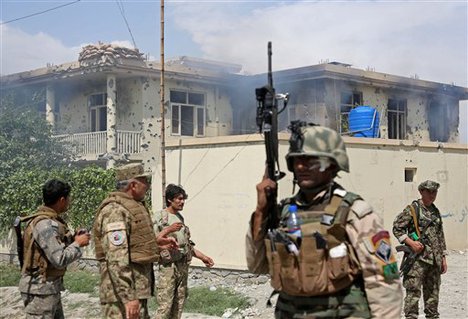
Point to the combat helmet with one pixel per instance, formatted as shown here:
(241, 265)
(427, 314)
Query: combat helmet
(314, 140)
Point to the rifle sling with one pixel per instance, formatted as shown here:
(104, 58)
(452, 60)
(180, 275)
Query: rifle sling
(415, 220)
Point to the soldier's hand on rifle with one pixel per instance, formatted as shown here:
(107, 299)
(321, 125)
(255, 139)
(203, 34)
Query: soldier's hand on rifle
(416, 246)
(264, 188)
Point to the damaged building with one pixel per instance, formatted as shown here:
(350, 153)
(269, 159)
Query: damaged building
(107, 104)
(325, 94)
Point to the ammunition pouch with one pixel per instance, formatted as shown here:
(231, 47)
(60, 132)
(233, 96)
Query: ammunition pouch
(326, 262)
(35, 260)
(314, 272)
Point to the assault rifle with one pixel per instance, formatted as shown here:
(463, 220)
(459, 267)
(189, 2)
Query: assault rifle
(267, 122)
(411, 256)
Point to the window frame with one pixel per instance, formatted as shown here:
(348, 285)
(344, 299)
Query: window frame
(344, 115)
(97, 110)
(198, 105)
(397, 119)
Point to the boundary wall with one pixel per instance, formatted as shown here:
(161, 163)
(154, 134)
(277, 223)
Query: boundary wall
(220, 174)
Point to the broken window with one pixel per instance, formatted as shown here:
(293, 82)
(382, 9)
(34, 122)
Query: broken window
(98, 112)
(438, 118)
(187, 113)
(349, 100)
(396, 114)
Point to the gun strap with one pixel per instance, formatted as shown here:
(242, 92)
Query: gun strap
(415, 219)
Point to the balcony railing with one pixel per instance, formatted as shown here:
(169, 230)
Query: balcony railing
(128, 142)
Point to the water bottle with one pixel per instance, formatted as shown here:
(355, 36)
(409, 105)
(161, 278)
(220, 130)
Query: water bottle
(294, 222)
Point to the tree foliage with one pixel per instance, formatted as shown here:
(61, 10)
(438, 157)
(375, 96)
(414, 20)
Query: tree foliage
(23, 193)
(29, 156)
(26, 140)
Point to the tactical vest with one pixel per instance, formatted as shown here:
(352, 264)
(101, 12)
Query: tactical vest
(184, 253)
(326, 263)
(143, 248)
(35, 260)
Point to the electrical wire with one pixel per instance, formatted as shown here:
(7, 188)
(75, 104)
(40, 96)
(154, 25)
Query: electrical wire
(196, 166)
(122, 12)
(218, 173)
(41, 12)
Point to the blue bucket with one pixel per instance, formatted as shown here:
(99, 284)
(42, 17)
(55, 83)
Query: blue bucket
(364, 122)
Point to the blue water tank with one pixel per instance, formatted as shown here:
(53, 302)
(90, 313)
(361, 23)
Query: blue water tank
(364, 121)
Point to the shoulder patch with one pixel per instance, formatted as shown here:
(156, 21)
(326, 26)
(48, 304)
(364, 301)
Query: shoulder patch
(361, 208)
(115, 226)
(117, 237)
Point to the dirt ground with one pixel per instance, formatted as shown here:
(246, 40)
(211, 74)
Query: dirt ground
(453, 298)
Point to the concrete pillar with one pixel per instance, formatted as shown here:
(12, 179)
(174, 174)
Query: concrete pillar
(50, 105)
(111, 120)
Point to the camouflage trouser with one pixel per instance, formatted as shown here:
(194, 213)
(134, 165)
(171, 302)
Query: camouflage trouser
(116, 310)
(350, 303)
(427, 276)
(172, 290)
(43, 306)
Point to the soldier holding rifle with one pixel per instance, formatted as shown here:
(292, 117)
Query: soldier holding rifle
(419, 227)
(339, 263)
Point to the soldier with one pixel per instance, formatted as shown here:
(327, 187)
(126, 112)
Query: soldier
(342, 264)
(419, 226)
(49, 247)
(174, 263)
(126, 246)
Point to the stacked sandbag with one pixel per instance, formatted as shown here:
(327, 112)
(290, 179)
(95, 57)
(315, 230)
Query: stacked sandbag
(108, 54)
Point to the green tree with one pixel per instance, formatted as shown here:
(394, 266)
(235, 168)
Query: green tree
(26, 140)
(29, 156)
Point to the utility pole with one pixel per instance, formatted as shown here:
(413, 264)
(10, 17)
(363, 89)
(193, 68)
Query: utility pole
(162, 102)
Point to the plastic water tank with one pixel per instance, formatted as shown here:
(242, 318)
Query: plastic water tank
(364, 121)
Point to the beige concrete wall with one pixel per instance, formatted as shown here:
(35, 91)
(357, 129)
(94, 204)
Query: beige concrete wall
(220, 176)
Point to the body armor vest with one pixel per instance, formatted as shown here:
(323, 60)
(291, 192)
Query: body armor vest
(143, 248)
(326, 262)
(35, 260)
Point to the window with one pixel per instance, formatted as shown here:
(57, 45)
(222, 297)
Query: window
(349, 100)
(410, 173)
(396, 114)
(98, 111)
(437, 119)
(187, 113)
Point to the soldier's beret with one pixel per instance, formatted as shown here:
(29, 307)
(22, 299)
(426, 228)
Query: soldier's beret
(429, 185)
(130, 171)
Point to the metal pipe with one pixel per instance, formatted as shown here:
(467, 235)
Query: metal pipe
(162, 112)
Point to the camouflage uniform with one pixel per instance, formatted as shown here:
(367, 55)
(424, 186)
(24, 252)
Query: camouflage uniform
(41, 294)
(426, 271)
(172, 287)
(122, 279)
(374, 290)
